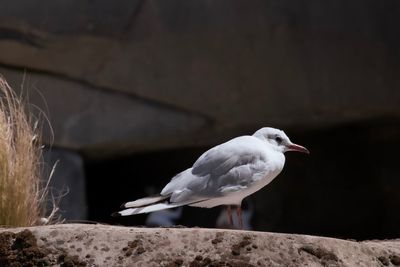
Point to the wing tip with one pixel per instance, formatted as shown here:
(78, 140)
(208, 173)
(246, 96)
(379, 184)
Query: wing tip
(143, 202)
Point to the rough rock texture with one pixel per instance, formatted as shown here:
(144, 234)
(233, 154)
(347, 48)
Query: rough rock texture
(149, 74)
(90, 119)
(101, 245)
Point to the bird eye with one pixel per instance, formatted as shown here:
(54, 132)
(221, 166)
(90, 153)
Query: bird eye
(278, 139)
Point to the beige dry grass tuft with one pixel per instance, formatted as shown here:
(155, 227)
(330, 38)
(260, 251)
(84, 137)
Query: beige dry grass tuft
(23, 195)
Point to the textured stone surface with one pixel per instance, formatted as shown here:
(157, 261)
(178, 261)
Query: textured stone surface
(235, 64)
(118, 246)
(83, 118)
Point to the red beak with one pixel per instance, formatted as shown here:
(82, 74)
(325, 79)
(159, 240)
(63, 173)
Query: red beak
(298, 148)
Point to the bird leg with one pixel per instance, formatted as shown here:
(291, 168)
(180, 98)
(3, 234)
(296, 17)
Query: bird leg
(229, 213)
(239, 216)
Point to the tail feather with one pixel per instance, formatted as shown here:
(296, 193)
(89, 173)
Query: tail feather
(147, 209)
(143, 202)
(153, 207)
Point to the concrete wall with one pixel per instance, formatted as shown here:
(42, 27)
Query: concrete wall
(147, 75)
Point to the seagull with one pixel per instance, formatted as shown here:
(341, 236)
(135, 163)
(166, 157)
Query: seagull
(223, 175)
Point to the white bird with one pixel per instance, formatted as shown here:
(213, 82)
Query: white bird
(223, 175)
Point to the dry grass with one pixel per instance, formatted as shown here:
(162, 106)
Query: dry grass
(23, 196)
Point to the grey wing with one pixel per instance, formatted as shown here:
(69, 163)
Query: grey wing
(231, 166)
(228, 167)
(184, 186)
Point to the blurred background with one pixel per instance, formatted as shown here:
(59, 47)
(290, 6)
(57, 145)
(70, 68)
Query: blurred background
(136, 90)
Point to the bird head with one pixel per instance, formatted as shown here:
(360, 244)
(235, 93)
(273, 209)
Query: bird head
(278, 140)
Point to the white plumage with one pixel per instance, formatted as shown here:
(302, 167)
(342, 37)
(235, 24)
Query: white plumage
(223, 175)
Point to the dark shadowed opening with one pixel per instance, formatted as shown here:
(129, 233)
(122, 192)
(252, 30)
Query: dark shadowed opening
(347, 187)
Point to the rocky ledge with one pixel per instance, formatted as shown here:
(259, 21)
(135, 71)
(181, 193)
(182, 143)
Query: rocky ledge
(103, 245)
